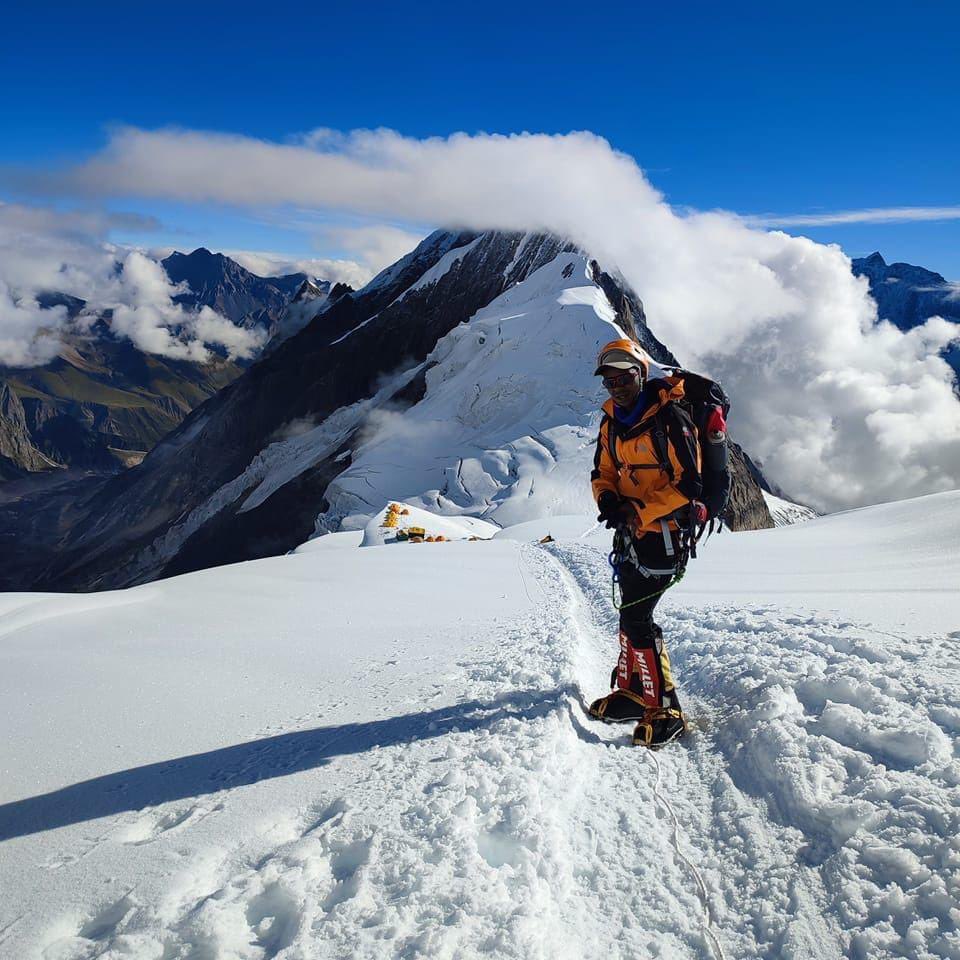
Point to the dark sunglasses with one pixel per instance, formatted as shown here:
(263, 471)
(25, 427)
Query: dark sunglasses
(620, 380)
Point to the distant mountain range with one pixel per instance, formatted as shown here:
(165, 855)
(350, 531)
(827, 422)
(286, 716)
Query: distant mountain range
(309, 438)
(459, 378)
(102, 404)
(908, 295)
(242, 297)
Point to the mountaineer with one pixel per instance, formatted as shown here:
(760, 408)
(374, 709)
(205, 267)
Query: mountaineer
(660, 476)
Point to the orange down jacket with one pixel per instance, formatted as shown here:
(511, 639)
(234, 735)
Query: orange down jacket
(627, 460)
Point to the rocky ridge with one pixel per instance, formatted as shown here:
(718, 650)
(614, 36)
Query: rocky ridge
(220, 283)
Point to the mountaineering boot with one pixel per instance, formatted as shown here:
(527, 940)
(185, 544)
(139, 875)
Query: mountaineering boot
(621, 706)
(659, 727)
(641, 680)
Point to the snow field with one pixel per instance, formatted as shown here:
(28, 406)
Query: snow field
(391, 758)
(784, 512)
(471, 830)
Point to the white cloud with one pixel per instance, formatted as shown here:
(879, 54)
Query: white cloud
(44, 251)
(842, 410)
(868, 215)
(377, 246)
(268, 264)
(146, 313)
(28, 334)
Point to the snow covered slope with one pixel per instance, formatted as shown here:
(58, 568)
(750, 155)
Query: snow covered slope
(895, 564)
(383, 752)
(386, 529)
(784, 511)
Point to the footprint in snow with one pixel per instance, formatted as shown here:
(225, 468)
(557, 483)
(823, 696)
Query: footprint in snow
(346, 864)
(320, 815)
(100, 928)
(274, 918)
(103, 924)
(153, 825)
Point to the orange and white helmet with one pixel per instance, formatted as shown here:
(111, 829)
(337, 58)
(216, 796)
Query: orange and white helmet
(623, 355)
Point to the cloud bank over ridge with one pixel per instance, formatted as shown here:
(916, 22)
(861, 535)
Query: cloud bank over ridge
(842, 410)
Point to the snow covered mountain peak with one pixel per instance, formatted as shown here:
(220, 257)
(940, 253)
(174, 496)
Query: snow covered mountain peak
(311, 289)
(494, 436)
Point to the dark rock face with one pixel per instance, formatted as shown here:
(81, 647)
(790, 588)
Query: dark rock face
(746, 509)
(221, 283)
(339, 290)
(311, 290)
(35, 512)
(102, 404)
(285, 520)
(630, 314)
(73, 305)
(908, 295)
(182, 508)
(311, 297)
(18, 455)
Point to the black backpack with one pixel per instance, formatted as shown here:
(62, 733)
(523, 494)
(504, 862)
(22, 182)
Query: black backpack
(702, 397)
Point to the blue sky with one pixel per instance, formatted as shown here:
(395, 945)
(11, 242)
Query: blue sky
(755, 108)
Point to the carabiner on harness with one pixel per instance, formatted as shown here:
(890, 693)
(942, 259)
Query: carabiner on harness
(624, 551)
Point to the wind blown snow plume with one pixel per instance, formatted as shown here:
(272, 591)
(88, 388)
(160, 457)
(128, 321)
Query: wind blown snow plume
(43, 253)
(841, 409)
(376, 246)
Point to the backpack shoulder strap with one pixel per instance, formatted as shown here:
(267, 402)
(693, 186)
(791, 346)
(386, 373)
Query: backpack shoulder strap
(684, 436)
(613, 434)
(659, 437)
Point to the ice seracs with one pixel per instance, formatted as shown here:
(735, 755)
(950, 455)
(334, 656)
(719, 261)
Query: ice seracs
(506, 425)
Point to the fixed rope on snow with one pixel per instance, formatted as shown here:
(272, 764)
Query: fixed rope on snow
(708, 929)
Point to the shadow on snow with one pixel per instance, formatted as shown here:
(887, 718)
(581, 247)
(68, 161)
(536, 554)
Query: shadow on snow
(257, 760)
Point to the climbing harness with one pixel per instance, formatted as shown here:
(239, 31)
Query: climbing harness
(624, 551)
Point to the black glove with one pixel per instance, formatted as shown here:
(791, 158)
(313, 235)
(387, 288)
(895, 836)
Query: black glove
(613, 510)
